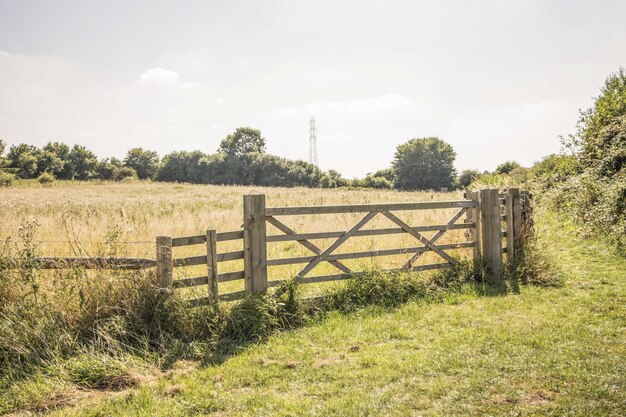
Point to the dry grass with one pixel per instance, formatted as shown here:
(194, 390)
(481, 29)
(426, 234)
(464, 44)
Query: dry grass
(122, 219)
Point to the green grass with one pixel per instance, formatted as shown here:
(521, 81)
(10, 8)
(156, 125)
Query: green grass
(544, 351)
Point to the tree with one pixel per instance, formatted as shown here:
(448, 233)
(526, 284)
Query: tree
(468, 176)
(244, 140)
(24, 158)
(83, 162)
(3, 146)
(506, 167)
(55, 159)
(424, 163)
(145, 163)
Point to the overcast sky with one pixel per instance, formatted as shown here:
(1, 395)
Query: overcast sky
(498, 80)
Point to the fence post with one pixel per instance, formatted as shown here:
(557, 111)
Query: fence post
(491, 230)
(255, 250)
(164, 264)
(516, 209)
(510, 229)
(211, 257)
(473, 216)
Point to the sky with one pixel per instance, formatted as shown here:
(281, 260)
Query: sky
(498, 80)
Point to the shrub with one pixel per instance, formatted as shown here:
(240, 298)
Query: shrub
(45, 178)
(6, 179)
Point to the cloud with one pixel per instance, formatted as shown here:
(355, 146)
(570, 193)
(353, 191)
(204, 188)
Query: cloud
(4, 54)
(160, 76)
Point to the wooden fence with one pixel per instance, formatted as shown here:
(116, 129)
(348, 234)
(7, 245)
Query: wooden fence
(488, 215)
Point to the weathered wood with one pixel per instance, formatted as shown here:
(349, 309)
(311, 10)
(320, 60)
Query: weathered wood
(164, 262)
(491, 232)
(189, 282)
(322, 256)
(419, 237)
(514, 193)
(204, 301)
(367, 254)
(340, 277)
(473, 216)
(88, 262)
(255, 250)
(190, 261)
(226, 236)
(211, 256)
(230, 256)
(510, 240)
(409, 263)
(362, 208)
(230, 276)
(310, 246)
(188, 241)
(201, 239)
(360, 233)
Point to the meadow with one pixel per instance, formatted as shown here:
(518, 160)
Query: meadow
(123, 219)
(106, 343)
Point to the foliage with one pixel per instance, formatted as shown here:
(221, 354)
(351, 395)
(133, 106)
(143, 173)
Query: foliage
(507, 167)
(3, 146)
(589, 183)
(466, 177)
(245, 140)
(24, 158)
(145, 163)
(6, 179)
(45, 178)
(56, 160)
(424, 163)
(83, 162)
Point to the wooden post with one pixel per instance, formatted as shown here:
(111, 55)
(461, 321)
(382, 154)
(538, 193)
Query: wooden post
(510, 230)
(255, 250)
(211, 257)
(473, 215)
(491, 230)
(517, 216)
(164, 264)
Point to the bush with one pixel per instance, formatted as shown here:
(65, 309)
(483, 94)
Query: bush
(6, 179)
(45, 178)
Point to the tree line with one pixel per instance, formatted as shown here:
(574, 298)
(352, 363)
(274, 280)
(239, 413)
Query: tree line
(241, 159)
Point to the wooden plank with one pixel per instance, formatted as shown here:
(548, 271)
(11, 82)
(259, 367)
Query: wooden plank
(367, 254)
(190, 261)
(362, 208)
(322, 256)
(491, 233)
(340, 277)
(211, 257)
(371, 232)
(411, 261)
(310, 246)
(230, 256)
(164, 261)
(226, 236)
(510, 241)
(189, 282)
(516, 216)
(188, 240)
(232, 296)
(200, 239)
(230, 276)
(419, 237)
(204, 301)
(254, 223)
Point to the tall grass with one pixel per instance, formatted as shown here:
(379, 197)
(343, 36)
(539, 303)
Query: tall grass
(84, 330)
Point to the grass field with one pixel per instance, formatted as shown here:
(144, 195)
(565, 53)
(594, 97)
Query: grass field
(469, 349)
(546, 351)
(123, 219)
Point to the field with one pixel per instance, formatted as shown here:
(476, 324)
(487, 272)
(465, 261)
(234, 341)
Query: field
(109, 219)
(471, 349)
